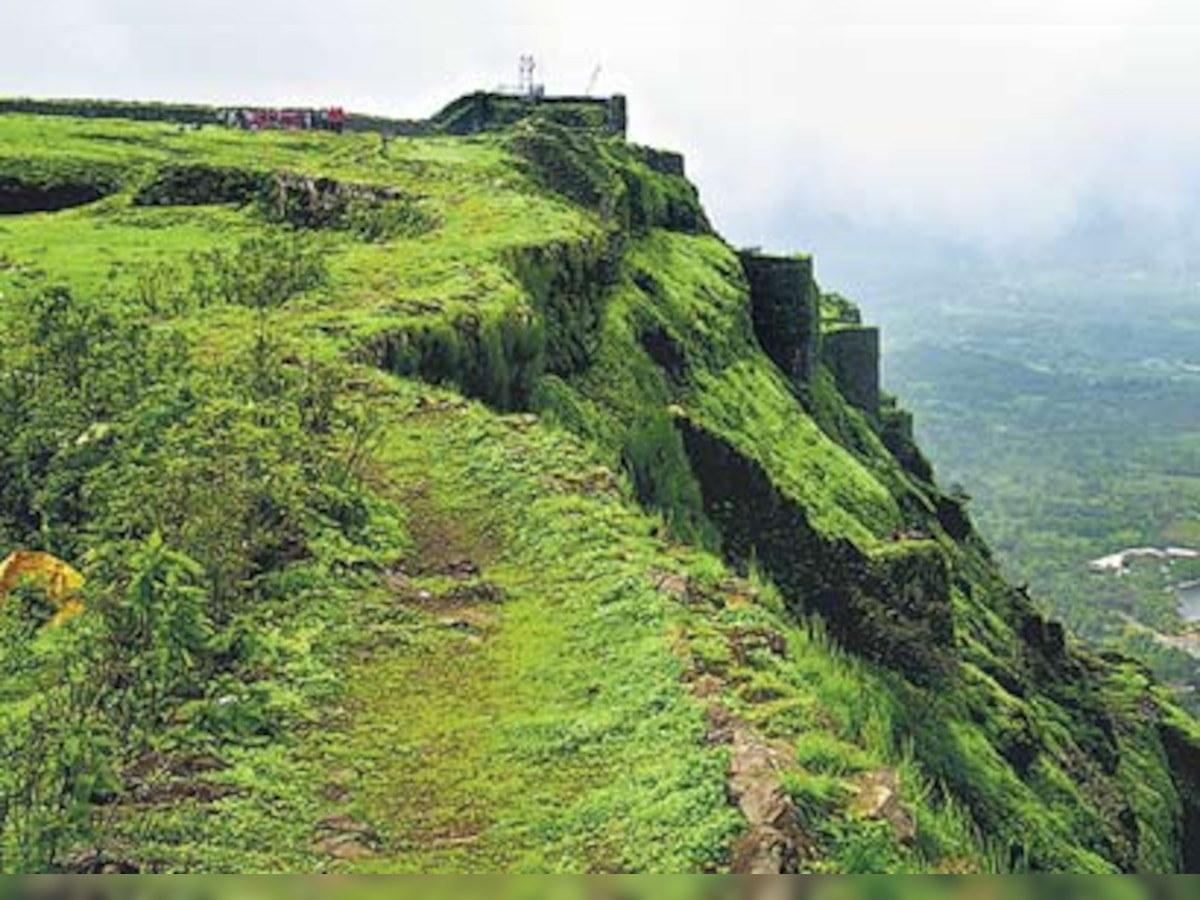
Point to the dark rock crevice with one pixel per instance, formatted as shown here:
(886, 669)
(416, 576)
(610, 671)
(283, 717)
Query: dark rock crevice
(666, 353)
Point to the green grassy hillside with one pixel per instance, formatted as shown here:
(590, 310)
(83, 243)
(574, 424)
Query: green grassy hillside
(440, 511)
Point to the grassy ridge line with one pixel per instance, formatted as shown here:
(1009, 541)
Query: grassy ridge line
(562, 738)
(479, 196)
(567, 738)
(461, 116)
(689, 287)
(560, 733)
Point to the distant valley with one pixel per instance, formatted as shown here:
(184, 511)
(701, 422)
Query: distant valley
(1063, 396)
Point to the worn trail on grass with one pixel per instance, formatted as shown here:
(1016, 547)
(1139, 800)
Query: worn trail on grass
(529, 713)
(446, 729)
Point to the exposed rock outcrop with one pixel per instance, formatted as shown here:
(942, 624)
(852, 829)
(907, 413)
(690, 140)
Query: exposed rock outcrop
(19, 196)
(773, 843)
(892, 605)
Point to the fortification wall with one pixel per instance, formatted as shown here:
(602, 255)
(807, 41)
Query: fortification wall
(784, 306)
(483, 111)
(187, 113)
(892, 604)
(665, 162)
(852, 354)
(472, 113)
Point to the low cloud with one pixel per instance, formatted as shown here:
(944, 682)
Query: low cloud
(990, 121)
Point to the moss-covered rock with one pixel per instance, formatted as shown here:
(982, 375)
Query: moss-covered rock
(621, 185)
(497, 360)
(892, 605)
(373, 212)
(29, 184)
(1181, 740)
(198, 185)
(568, 284)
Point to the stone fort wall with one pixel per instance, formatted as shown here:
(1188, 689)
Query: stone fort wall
(785, 303)
(852, 355)
(785, 307)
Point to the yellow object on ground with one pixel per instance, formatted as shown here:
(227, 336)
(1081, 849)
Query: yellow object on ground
(59, 580)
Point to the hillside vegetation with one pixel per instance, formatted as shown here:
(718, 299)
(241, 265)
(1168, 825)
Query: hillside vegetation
(439, 509)
(1061, 391)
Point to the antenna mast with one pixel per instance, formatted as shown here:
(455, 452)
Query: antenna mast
(528, 67)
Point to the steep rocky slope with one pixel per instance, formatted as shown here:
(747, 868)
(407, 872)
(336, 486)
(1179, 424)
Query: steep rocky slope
(466, 503)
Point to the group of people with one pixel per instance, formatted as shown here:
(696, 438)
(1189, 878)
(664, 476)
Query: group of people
(331, 119)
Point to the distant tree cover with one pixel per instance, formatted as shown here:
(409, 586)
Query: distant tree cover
(1065, 400)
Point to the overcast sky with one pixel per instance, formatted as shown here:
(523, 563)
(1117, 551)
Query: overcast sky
(991, 120)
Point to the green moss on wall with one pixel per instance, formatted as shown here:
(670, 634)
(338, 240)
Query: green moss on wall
(496, 359)
(198, 184)
(626, 189)
(568, 284)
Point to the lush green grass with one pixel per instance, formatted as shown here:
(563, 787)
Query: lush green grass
(234, 460)
(691, 290)
(516, 748)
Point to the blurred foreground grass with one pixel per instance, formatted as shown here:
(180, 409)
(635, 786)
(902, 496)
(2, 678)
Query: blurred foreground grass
(672, 887)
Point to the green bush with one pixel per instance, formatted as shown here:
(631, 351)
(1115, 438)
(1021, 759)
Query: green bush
(497, 360)
(262, 273)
